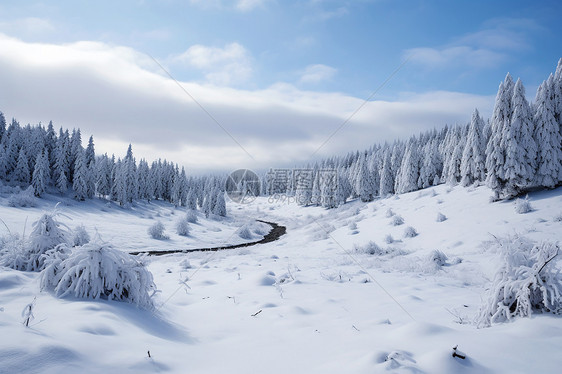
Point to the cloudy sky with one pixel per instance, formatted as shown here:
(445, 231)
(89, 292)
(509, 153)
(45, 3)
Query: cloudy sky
(222, 84)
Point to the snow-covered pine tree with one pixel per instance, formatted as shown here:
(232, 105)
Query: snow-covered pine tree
(387, 180)
(364, 179)
(496, 149)
(473, 164)
(547, 135)
(75, 149)
(220, 204)
(51, 145)
(41, 177)
(520, 147)
(408, 175)
(81, 176)
(21, 172)
(103, 175)
(143, 177)
(452, 173)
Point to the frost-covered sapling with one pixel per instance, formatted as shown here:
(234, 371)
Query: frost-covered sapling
(99, 271)
(27, 313)
(410, 232)
(80, 236)
(156, 231)
(397, 220)
(523, 206)
(527, 282)
(182, 227)
(352, 226)
(389, 213)
(388, 239)
(441, 217)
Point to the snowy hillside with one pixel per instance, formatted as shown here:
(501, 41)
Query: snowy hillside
(321, 299)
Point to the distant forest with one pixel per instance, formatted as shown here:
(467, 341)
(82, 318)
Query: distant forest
(518, 149)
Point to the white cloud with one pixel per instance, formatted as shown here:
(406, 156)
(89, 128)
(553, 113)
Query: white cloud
(317, 73)
(27, 27)
(456, 56)
(119, 96)
(484, 48)
(221, 66)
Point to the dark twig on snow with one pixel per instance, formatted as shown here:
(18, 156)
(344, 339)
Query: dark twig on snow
(256, 313)
(455, 354)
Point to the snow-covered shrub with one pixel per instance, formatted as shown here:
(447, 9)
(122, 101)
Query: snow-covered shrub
(191, 216)
(156, 231)
(185, 264)
(23, 199)
(397, 220)
(352, 226)
(182, 227)
(245, 233)
(558, 218)
(410, 232)
(80, 236)
(388, 239)
(438, 258)
(98, 271)
(528, 281)
(441, 217)
(389, 213)
(372, 248)
(28, 253)
(523, 206)
(12, 252)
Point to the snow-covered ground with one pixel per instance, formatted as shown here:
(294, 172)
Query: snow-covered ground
(312, 302)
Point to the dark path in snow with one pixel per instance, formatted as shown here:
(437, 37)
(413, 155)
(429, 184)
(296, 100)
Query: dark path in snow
(276, 232)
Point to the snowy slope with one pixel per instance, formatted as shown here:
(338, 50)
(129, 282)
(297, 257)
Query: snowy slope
(307, 303)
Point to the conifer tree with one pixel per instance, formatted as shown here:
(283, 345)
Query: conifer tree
(473, 164)
(547, 135)
(40, 178)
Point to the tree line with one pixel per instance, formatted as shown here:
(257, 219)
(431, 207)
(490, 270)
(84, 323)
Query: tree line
(38, 158)
(518, 149)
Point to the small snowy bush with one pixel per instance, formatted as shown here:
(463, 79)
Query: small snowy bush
(523, 206)
(438, 258)
(23, 199)
(410, 232)
(28, 254)
(12, 252)
(441, 217)
(528, 281)
(182, 227)
(372, 248)
(245, 233)
(558, 218)
(388, 239)
(191, 216)
(80, 236)
(352, 226)
(98, 271)
(156, 231)
(389, 213)
(397, 220)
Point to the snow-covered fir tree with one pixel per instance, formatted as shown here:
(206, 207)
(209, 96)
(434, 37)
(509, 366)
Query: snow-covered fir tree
(473, 163)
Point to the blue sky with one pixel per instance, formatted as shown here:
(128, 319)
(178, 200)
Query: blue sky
(307, 59)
